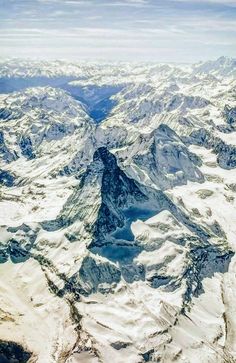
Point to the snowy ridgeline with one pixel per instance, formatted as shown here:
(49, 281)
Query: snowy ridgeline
(118, 212)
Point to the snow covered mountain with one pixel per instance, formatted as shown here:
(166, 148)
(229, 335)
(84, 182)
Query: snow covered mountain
(118, 212)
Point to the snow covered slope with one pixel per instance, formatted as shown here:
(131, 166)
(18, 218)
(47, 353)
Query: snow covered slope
(117, 212)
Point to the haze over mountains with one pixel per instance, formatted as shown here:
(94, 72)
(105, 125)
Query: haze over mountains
(118, 212)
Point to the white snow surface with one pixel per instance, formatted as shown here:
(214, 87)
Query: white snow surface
(151, 278)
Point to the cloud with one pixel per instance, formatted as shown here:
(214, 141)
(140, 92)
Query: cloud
(98, 3)
(179, 29)
(125, 3)
(230, 3)
(67, 2)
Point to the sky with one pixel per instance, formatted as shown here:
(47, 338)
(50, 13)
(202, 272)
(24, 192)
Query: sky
(123, 30)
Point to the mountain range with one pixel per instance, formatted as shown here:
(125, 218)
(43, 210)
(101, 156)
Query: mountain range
(117, 212)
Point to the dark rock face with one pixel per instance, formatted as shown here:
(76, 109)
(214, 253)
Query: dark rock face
(3, 253)
(204, 261)
(6, 178)
(11, 352)
(26, 147)
(147, 356)
(92, 275)
(18, 248)
(168, 156)
(57, 131)
(226, 154)
(8, 114)
(230, 114)
(117, 191)
(120, 345)
(16, 252)
(5, 114)
(201, 137)
(6, 154)
(226, 129)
